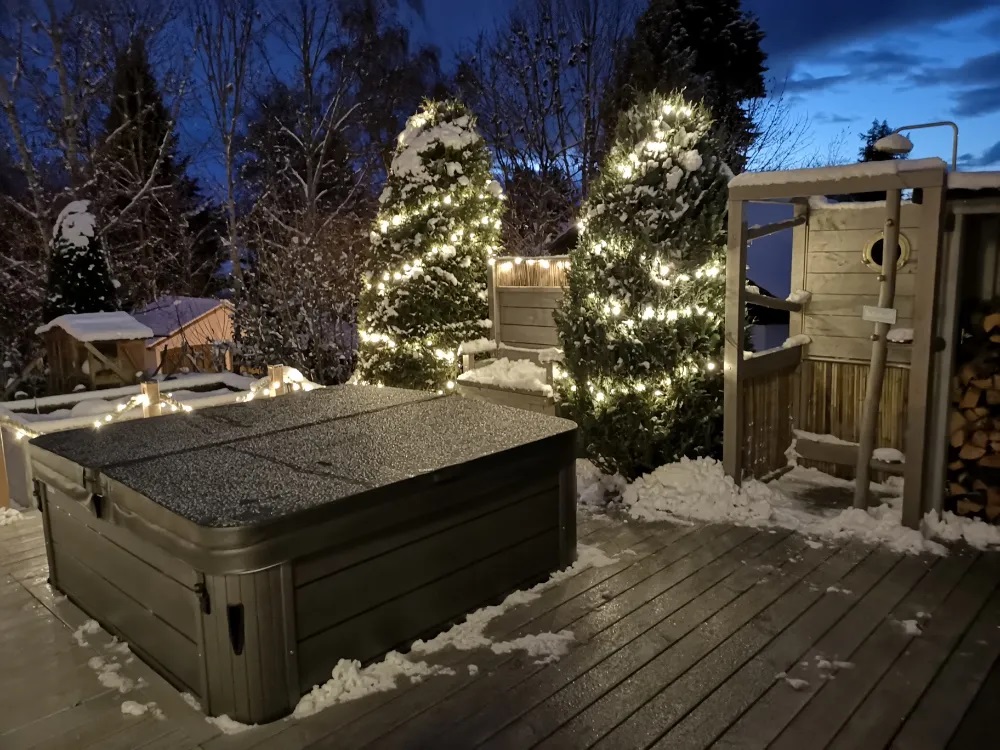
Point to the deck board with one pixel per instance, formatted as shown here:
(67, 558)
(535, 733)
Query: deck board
(677, 645)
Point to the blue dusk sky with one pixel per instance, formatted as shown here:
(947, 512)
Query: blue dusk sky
(847, 63)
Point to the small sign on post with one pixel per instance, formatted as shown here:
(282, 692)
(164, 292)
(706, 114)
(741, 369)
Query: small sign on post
(879, 314)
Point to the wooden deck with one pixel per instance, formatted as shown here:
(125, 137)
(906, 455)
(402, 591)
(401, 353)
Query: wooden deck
(677, 646)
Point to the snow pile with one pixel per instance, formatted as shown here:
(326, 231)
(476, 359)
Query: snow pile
(350, 682)
(75, 224)
(889, 455)
(90, 627)
(549, 647)
(799, 339)
(799, 295)
(478, 346)
(900, 335)
(699, 490)
(228, 726)
(9, 515)
(519, 374)
(952, 528)
(92, 407)
(99, 326)
(594, 488)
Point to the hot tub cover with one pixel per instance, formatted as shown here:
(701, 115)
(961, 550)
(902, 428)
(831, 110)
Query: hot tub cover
(250, 464)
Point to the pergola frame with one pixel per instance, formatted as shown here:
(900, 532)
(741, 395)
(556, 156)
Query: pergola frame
(797, 186)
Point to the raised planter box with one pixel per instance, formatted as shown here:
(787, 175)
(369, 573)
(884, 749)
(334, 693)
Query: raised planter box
(243, 550)
(519, 399)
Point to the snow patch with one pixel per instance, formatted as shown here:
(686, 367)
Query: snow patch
(889, 455)
(549, 354)
(473, 670)
(350, 682)
(900, 335)
(191, 701)
(799, 295)
(911, 627)
(9, 515)
(793, 682)
(799, 339)
(952, 528)
(90, 627)
(477, 346)
(228, 726)
(549, 647)
(132, 708)
(108, 674)
(417, 139)
(698, 489)
(837, 590)
(520, 374)
(594, 488)
(75, 224)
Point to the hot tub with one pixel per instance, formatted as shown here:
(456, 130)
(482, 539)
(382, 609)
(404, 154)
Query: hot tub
(243, 550)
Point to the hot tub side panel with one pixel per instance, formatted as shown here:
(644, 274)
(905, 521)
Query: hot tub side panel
(382, 592)
(136, 591)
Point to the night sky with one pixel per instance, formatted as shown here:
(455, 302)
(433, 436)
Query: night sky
(846, 63)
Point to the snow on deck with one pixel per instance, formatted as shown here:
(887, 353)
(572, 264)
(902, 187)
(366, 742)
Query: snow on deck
(102, 326)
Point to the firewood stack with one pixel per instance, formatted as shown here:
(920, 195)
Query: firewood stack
(974, 455)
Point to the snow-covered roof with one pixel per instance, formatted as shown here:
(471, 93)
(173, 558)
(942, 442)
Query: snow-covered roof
(974, 180)
(825, 180)
(167, 315)
(102, 326)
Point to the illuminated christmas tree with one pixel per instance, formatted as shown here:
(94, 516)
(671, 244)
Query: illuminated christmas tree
(642, 320)
(438, 227)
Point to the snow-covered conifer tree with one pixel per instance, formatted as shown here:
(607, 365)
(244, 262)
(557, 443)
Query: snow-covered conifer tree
(425, 280)
(79, 275)
(642, 320)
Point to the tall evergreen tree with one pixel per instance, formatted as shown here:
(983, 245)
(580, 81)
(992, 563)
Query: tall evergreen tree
(425, 280)
(146, 201)
(710, 50)
(642, 321)
(79, 275)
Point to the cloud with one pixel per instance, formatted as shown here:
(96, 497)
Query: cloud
(806, 83)
(975, 84)
(990, 157)
(797, 27)
(834, 119)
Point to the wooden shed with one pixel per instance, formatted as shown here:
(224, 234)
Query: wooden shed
(864, 329)
(189, 334)
(96, 350)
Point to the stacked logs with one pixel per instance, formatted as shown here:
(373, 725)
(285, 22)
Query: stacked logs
(974, 422)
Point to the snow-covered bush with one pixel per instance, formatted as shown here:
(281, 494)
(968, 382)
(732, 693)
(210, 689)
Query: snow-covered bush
(642, 320)
(425, 280)
(79, 275)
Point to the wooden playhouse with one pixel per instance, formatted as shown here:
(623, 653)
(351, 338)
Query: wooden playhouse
(890, 368)
(94, 350)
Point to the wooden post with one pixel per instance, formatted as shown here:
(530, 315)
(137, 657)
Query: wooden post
(4, 485)
(930, 372)
(277, 381)
(493, 308)
(736, 282)
(151, 390)
(468, 362)
(800, 242)
(880, 349)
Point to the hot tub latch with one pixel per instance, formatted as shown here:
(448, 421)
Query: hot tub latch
(202, 592)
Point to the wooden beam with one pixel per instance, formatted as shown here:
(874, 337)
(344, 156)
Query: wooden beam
(880, 350)
(800, 238)
(736, 289)
(126, 378)
(922, 360)
(842, 454)
(765, 229)
(493, 308)
(772, 303)
(797, 183)
(771, 361)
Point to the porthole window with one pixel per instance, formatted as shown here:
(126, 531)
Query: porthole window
(874, 249)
